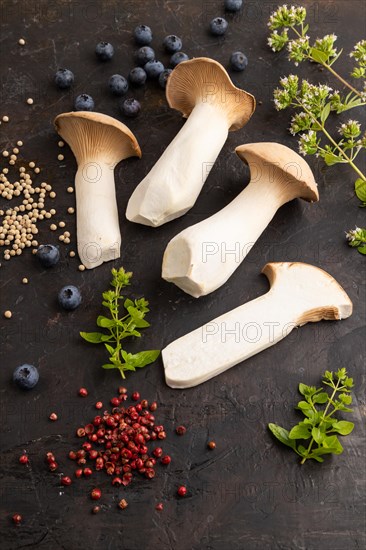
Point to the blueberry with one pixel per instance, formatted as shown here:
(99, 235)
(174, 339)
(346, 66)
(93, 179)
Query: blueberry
(163, 77)
(238, 61)
(131, 107)
(137, 76)
(143, 55)
(26, 376)
(64, 78)
(48, 255)
(104, 51)
(118, 84)
(69, 297)
(218, 26)
(177, 58)
(172, 43)
(233, 5)
(143, 35)
(84, 102)
(153, 68)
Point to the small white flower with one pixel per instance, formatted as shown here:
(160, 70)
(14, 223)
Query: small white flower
(301, 149)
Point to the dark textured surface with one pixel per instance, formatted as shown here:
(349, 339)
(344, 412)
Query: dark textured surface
(250, 493)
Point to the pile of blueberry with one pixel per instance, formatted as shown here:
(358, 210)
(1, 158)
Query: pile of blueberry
(147, 67)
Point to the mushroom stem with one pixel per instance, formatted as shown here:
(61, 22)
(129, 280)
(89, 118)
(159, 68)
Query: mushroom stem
(202, 90)
(173, 184)
(299, 293)
(202, 257)
(99, 236)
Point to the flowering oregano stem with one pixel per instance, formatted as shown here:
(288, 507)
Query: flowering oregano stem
(322, 51)
(326, 66)
(334, 73)
(322, 419)
(323, 129)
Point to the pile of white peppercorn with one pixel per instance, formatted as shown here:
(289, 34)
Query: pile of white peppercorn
(18, 228)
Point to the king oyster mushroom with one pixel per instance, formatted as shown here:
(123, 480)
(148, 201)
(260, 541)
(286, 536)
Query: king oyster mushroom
(99, 142)
(299, 294)
(202, 257)
(202, 90)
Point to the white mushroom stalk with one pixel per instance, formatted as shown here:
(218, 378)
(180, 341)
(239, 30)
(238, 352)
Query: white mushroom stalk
(202, 257)
(202, 90)
(299, 294)
(99, 143)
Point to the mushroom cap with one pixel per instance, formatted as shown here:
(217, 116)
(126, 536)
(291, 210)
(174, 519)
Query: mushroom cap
(294, 172)
(92, 135)
(204, 80)
(317, 294)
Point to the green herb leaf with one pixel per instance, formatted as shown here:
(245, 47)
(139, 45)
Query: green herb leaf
(104, 322)
(320, 397)
(332, 442)
(301, 431)
(319, 56)
(94, 337)
(360, 189)
(304, 406)
(325, 113)
(144, 358)
(343, 427)
(138, 317)
(317, 458)
(110, 349)
(331, 159)
(282, 435)
(345, 398)
(317, 434)
(306, 390)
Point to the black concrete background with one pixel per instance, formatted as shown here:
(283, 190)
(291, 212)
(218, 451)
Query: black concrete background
(250, 493)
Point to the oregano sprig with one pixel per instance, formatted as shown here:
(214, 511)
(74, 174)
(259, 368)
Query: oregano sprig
(120, 327)
(322, 51)
(314, 103)
(320, 428)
